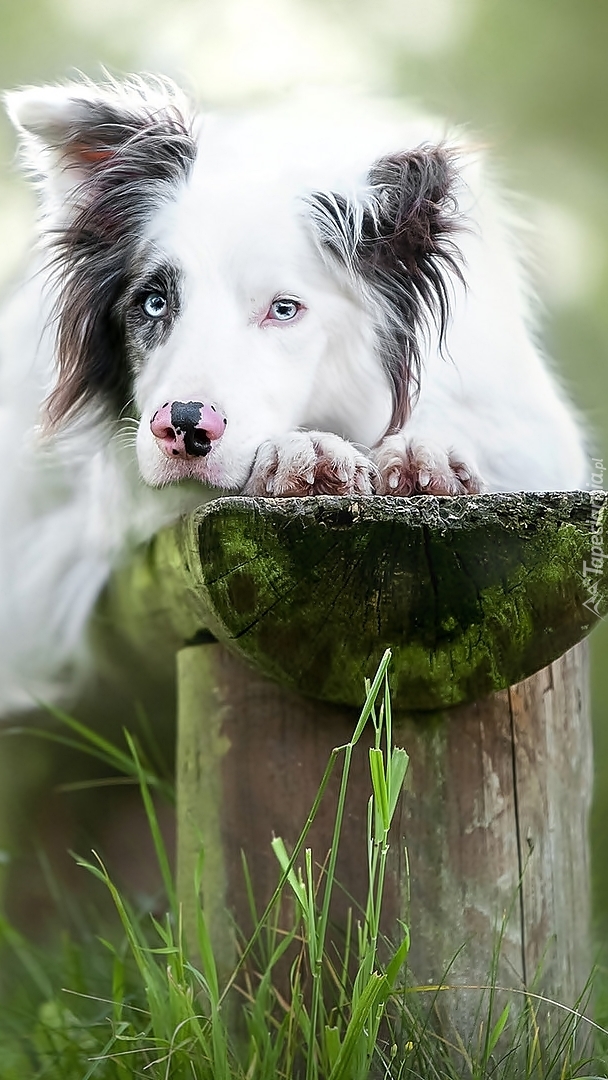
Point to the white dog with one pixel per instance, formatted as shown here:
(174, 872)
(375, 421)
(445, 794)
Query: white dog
(314, 298)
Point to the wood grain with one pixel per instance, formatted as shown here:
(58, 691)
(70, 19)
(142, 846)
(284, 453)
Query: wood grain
(494, 819)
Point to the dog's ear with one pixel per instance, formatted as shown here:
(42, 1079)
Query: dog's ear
(396, 242)
(71, 134)
(105, 157)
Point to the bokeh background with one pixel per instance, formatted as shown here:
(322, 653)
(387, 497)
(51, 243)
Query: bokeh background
(530, 77)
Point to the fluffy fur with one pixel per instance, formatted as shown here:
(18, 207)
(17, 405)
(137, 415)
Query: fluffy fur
(338, 281)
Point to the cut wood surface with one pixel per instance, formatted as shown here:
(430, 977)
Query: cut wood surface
(472, 594)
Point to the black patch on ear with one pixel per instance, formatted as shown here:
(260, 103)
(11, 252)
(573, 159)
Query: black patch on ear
(398, 240)
(95, 253)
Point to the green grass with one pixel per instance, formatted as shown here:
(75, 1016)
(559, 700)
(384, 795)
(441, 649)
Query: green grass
(134, 1002)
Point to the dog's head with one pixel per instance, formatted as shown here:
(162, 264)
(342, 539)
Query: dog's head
(230, 280)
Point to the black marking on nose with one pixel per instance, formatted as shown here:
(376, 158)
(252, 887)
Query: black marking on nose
(185, 415)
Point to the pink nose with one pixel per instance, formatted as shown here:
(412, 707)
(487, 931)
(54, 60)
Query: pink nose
(186, 429)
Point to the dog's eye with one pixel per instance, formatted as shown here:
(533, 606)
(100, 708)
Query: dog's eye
(284, 309)
(155, 306)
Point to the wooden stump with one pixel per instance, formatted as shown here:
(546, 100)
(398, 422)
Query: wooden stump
(494, 818)
(483, 601)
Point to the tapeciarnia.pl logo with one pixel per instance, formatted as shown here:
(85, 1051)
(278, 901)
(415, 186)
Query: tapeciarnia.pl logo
(594, 569)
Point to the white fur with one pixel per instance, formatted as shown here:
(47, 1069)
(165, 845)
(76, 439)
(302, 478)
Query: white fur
(73, 502)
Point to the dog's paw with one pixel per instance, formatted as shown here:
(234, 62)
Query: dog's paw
(310, 463)
(412, 467)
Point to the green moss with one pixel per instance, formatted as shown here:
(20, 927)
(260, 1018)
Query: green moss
(471, 594)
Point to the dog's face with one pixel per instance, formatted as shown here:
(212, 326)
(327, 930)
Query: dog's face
(251, 323)
(232, 285)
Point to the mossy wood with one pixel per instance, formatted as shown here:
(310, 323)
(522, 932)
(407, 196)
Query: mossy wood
(471, 594)
(483, 601)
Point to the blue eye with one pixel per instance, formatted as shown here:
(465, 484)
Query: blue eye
(284, 309)
(155, 306)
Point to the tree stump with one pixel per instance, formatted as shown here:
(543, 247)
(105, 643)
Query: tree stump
(483, 601)
(494, 817)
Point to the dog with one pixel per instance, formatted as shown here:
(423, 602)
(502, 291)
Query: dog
(316, 297)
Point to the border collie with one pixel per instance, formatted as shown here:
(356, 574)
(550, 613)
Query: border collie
(320, 297)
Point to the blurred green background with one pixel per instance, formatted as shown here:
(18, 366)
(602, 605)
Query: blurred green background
(529, 76)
